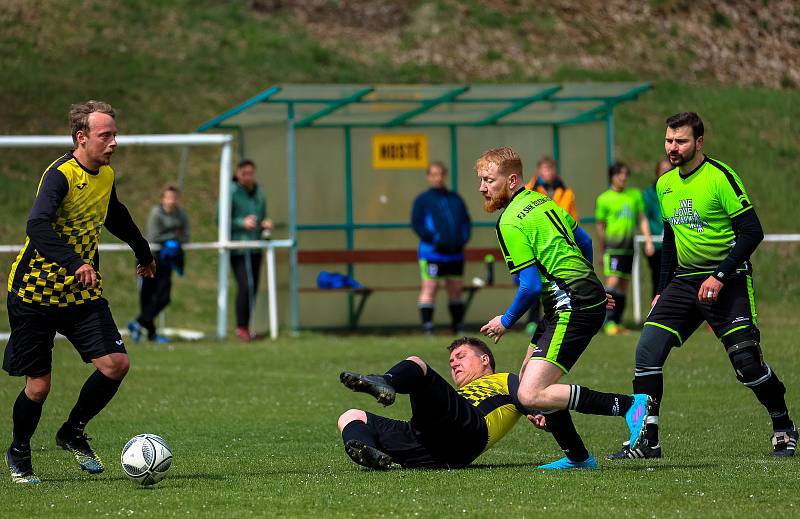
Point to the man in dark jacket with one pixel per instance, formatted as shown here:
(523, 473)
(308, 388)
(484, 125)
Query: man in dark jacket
(441, 221)
(167, 226)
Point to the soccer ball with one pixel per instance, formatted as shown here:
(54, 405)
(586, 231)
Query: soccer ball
(146, 458)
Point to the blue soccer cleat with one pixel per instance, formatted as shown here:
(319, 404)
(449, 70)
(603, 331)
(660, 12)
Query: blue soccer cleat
(567, 464)
(135, 330)
(636, 417)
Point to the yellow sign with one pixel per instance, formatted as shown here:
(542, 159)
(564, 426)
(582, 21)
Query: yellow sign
(399, 151)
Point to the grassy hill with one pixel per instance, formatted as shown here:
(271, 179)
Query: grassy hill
(170, 65)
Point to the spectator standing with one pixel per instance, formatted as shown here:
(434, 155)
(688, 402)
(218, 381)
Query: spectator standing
(167, 226)
(248, 222)
(548, 182)
(441, 221)
(653, 213)
(618, 212)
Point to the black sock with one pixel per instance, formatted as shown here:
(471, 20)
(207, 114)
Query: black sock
(426, 314)
(26, 415)
(567, 437)
(588, 401)
(96, 393)
(405, 376)
(358, 430)
(652, 385)
(770, 394)
(456, 308)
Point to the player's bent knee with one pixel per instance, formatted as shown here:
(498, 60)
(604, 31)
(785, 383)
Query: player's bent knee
(529, 397)
(748, 361)
(419, 362)
(349, 416)
(654, 346)
(37, 388)
(114, 365)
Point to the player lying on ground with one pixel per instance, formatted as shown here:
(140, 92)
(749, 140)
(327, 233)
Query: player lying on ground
(449, 427)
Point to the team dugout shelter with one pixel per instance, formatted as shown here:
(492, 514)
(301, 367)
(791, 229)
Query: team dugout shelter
(341, 165)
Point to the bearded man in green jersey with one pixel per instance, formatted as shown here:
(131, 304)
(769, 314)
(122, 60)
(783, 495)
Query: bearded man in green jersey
(710, 231)
(543, 245)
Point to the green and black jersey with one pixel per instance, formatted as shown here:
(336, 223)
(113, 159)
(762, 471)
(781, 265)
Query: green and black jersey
(534, 230)
(699, 208)
(620, 211)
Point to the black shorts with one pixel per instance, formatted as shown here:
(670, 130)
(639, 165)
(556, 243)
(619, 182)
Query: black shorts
(445, 430)
(679, 311)
(615, 264)
(429, 269)
(89, 327)
(562, 337)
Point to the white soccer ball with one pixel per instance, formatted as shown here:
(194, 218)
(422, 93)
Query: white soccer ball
(146, 458)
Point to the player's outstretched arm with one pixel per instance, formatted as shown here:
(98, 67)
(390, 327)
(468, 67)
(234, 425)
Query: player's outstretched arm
(120, 224)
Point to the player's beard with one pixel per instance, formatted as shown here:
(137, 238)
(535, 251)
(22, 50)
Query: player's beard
(494, 203)
(684, 158)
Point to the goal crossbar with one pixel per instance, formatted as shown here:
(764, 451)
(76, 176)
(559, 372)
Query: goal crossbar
(223, 243)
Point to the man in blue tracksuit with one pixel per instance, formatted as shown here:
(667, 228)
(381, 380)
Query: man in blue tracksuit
(441, 221)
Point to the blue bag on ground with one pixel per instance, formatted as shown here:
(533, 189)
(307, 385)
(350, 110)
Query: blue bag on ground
(336, 280)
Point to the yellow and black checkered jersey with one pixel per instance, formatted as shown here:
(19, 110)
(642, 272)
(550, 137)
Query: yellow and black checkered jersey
(495, 396)
(71, 207)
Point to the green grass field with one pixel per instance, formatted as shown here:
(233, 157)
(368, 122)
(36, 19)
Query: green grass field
(253, 431)
(253, 426)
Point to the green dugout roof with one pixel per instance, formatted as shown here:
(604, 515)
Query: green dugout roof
(328, 105)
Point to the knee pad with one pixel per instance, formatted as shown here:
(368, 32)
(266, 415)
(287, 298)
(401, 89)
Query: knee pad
(748, 362)
(653, 348)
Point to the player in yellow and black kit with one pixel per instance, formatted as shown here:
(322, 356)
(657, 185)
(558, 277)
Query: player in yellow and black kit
(55, 286)
(449, 427)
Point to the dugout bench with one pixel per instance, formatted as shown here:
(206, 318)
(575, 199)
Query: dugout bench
(387, 256)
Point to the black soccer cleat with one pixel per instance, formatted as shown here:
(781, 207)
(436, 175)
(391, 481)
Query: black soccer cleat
(375, 385)
(643, 450)
(367, 456)
(19, 463)
(784, 443)
(78, 444)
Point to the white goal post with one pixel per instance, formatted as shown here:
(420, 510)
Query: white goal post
(223, 244)
(636, 272)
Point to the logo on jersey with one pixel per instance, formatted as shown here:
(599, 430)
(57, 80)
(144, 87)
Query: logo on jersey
(685, 214)
(528, 208)
(668, 191)
(82, 185)
(625, 213)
